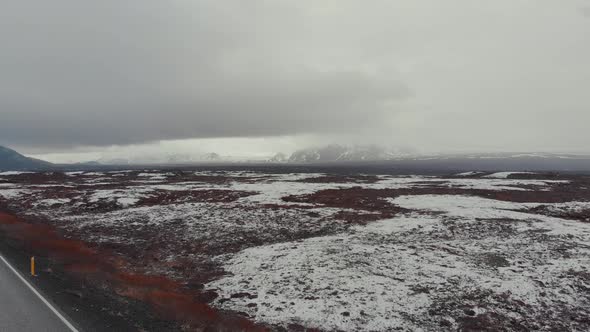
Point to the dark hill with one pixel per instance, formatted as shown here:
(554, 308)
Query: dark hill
(11, 160)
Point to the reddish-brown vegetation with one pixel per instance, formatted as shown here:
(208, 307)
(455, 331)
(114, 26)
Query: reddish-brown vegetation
(168, 297)
(163, 197)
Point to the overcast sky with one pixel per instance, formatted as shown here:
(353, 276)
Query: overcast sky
(113, 75)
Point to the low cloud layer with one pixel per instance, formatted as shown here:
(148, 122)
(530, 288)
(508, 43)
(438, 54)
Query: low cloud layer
(427, 73)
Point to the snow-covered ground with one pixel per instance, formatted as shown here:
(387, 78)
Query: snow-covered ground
(351, 253)
(392, 273)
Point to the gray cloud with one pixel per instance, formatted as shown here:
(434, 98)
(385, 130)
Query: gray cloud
(252, 107)
(119, 73)
(129, 72)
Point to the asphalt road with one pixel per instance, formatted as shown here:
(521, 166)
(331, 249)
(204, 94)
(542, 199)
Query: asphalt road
(23, 309)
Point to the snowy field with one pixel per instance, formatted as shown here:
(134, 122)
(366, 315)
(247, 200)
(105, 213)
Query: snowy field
(341, 252)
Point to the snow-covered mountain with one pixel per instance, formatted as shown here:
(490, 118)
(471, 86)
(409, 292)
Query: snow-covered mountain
(279, 158)
(335, 153)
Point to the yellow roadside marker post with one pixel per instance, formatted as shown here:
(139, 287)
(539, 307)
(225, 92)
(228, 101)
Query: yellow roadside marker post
(33, 266)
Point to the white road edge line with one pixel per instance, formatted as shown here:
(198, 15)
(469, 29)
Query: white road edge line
(60, 316)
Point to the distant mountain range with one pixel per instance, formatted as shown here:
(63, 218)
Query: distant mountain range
(166, 159)
(367, 156)
(343, 153)
(11, 160)
(373, 153)
(329, 153)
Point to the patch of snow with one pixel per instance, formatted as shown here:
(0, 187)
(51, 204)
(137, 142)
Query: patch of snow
(331, 283)
(156, 175)
(472, 173)
(127, 201)
(14, 173)
(469, 207)
(500, 184)
(504, 175)
(51, 185)
(398, 182)
(182, 186)
(400, 224)
(98, 180)
(371, 278)
(53, 201)
(217, 224)
(272, 176)
(569, 207)
(14, 193)
(272, 191)
(124, 197)
(297, 176)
